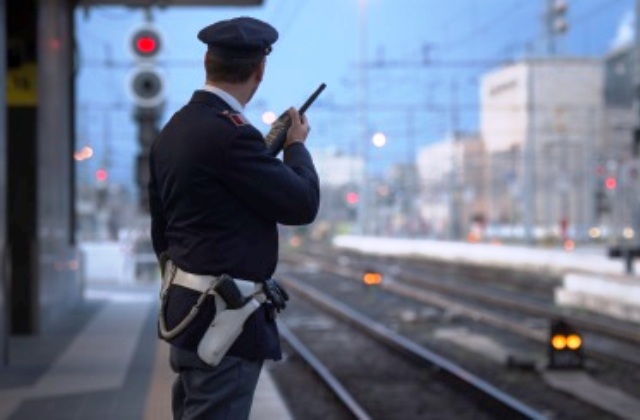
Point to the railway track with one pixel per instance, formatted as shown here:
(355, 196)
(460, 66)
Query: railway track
(417, 299)
(348, 402)
(607, 339)
(408, 376)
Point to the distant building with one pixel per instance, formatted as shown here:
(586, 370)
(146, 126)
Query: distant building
(435, 163)
(472, 193)
(619, 70)
(545, 115)
(615, 157)
(452, 176)
(340, 182)
(337, 169)
(620, 118)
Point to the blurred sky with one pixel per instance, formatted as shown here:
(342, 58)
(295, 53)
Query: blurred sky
(424, 62)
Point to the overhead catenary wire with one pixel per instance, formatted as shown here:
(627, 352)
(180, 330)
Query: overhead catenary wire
(484, 28)
(437, 108)
(596, 11)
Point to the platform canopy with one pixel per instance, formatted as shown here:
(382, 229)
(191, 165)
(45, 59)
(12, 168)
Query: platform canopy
(168, 3)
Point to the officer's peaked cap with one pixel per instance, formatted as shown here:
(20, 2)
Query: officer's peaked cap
(240, 37)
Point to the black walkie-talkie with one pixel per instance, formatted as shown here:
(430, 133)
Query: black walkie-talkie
(278, 133)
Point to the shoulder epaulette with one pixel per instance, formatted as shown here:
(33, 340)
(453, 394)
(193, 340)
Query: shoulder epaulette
(235, 117)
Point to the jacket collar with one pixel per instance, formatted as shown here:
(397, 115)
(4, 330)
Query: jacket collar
(225, 96)
(211, 99)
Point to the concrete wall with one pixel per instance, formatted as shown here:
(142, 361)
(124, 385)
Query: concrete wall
(4, 258)
(39, 192)
(21, 220)
(58, 260)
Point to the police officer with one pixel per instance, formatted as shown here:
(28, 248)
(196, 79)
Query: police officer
(216, 197)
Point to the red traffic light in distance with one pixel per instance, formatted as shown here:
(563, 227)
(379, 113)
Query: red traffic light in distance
(101, 175)
(352, 198)
(610, 183)
(145, 43)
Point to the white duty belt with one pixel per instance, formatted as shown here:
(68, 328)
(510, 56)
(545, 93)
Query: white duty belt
(205, 284)
(202, 283)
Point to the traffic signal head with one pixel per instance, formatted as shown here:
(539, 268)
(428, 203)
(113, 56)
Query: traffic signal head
(559, 16)
(146, 84)
(565, 347)
(145, 42)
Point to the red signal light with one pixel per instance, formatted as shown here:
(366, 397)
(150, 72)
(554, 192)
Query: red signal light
(610, 183)
(352, 198)
(101, 175)
(146, 45)
(145, 42)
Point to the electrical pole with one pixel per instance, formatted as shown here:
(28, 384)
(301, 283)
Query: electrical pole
(364, 202)
(555, 23)
(454, 187)
(529, 202)
(635, 146)
(628, 247)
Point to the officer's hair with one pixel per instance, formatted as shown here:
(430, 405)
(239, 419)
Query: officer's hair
(230, 70)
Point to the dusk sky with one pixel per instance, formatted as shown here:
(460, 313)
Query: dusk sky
(424, 61)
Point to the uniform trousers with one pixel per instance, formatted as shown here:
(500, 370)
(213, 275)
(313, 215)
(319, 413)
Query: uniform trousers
(202, 392)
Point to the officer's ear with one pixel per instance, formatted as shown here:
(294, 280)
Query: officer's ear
(260, 70)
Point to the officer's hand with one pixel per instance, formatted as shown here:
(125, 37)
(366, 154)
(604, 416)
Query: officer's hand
(276, 294)
(299, 129)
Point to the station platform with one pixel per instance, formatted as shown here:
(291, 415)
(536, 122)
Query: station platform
(590, 279)
(102, 360)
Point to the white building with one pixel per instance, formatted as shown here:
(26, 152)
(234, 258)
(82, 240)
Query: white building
(618, 208)
(435, 163)
(337, 169)
(543, 117)
(452, 179)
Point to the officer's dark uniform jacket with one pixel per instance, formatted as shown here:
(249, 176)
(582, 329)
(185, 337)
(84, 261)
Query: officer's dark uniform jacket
(216, 196)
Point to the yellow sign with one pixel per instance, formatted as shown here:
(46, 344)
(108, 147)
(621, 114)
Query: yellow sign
(22, 87)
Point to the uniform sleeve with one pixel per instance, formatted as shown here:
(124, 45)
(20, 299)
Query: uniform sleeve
(158, 222)
(286, 192)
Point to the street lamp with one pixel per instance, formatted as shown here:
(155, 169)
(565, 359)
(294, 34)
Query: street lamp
(379, 139)
(269, 117)
(363, 204)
